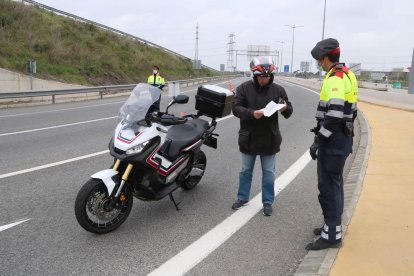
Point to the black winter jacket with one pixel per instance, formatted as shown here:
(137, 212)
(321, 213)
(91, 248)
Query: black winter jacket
(259, 136)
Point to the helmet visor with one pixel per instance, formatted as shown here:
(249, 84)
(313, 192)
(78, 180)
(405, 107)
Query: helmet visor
(265, 70)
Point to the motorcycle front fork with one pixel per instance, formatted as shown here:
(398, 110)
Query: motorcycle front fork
(124, 179)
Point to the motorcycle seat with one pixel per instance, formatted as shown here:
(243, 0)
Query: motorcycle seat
(181, 136)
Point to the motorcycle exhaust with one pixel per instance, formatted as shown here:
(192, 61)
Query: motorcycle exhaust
(196, 172)
(174, 174)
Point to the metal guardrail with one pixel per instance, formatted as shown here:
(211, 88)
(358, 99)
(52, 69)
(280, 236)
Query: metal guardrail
(53, 93)
(99, 89)
(78, 18)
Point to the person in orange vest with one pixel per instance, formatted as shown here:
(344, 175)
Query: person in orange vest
(157, 80)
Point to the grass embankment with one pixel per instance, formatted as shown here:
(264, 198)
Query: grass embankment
(71, 51)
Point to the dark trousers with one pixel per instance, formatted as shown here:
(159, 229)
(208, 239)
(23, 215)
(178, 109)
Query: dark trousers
(331, 161)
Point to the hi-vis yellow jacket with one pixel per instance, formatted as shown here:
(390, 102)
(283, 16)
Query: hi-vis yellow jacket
(351, 97)
(157, 80)
(338, 99)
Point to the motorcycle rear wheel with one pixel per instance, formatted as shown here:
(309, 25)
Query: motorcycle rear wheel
(92, 211)
(200, 162)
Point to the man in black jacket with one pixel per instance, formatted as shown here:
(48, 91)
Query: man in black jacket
(258, 134)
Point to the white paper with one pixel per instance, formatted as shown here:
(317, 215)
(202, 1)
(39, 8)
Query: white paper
(271, 108)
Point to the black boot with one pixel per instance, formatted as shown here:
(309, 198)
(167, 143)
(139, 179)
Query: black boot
(318, 231)
(321, 244)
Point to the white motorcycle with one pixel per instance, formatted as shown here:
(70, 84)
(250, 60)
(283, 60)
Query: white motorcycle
(155, 154)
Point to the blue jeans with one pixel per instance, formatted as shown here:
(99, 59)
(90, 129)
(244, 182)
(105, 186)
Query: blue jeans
(268, 177)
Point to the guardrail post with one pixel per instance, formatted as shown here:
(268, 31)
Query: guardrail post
(53, 98)
(101, 94)
(171, 86)
(177, 89)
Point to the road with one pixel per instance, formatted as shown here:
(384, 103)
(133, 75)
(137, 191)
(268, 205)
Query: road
(52, 242)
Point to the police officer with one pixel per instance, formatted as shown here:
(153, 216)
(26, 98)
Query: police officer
(157, 80)
(333, 139)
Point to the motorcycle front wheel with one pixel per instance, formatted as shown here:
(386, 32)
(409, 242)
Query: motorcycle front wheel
(92, 209)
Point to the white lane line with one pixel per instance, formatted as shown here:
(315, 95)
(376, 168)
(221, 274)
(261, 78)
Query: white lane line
(200, 249)
(293, 84)
(53, 164)
(224, 118)
(58, 126)
(58, 110)
(5, 227)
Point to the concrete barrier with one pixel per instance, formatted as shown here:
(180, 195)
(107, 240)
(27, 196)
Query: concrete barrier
(13, 81)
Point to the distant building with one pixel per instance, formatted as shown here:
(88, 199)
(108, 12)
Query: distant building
(305, 66)
(356, 68)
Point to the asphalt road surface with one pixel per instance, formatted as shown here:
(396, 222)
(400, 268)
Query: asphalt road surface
(38, 187)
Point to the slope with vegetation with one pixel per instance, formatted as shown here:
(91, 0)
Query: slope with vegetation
(76, 52)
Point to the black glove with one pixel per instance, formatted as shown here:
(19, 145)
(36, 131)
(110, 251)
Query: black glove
(313, 150)
(314, 130)
(317, 128)
(349, 129)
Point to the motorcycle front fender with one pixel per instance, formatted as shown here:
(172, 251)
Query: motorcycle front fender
(106, 177)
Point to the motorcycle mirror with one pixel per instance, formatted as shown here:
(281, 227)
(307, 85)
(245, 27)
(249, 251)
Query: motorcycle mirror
(180, 99)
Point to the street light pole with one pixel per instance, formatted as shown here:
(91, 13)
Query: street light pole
(293, 42)
(323, 36)
(323, 26)
(281, 54)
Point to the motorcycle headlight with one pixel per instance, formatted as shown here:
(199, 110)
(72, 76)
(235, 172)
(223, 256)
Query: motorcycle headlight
(137, 149)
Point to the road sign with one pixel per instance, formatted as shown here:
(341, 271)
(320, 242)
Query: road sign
(286, 69)
(257, 50)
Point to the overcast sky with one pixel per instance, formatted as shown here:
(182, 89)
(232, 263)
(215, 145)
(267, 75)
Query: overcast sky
(378, 34)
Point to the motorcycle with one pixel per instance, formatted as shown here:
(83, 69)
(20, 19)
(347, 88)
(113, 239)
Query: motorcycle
(154, 153)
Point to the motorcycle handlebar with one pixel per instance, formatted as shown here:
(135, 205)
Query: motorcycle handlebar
(167, 119)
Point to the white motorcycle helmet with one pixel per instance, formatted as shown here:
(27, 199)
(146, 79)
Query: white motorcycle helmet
(262, 66)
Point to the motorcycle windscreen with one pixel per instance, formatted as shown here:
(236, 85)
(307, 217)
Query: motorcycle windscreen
(139, 102)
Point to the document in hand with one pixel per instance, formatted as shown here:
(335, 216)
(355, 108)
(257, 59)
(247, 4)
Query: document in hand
(271, 108)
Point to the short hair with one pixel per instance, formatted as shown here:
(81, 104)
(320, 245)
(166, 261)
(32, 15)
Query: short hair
(333, 58)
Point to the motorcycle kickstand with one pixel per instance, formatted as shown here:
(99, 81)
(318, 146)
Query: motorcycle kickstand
(175, 204)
